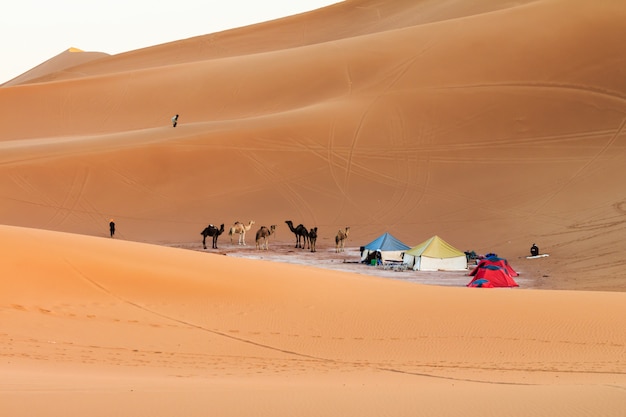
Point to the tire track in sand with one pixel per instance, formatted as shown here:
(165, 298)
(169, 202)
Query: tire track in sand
(72, 198)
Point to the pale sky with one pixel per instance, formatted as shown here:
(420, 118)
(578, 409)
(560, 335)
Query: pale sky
(33, 31)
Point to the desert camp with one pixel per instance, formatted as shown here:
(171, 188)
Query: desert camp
(493, 124)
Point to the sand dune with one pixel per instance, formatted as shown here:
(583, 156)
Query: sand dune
(492, 124)
(129, 318)
(70, 58)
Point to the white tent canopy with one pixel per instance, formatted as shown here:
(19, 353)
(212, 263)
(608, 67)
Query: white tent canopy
(435, 254)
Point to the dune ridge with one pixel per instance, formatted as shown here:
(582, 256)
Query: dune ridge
(492, 124)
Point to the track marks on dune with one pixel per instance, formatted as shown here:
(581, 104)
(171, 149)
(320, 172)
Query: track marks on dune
(284, 186)
(137, 185)
(72, 202)
(181, 321)
(575, 88)
(585, 167)
(26, 185)
(73, 196)
(414, 369)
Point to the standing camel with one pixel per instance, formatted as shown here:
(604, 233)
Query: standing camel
(300, 232)
(240, 229)
(313, 238)
(212, 231)
(262, 236)
(340, 239)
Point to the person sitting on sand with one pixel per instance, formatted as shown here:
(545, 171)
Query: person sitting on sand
(534, 250)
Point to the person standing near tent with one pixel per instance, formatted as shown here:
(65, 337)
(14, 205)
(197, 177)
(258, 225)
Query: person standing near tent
(534, 250)
(112, 227)
(174, 121)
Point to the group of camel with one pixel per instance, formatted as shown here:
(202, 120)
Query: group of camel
(304, 236)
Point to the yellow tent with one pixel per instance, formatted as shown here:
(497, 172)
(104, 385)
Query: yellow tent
(435, 254)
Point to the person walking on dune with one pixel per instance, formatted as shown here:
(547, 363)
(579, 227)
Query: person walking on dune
(174, 121)
(112, 227)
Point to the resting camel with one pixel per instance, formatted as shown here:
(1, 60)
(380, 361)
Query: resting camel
(240, 229)
(342, 235)
(313, 238)
(300, 232)
(262, 236)
(212, 231)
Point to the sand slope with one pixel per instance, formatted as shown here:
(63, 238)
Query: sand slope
(124, 322)
(412, 118)
(491, 124)
(70, 58)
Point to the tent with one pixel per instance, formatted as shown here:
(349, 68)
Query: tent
(494, 260)
(480, 283)
(391, 249)
(495, 275)
(435, 254)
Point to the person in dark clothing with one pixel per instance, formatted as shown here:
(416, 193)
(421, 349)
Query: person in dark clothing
(534, 250)
(174, 121)
(112, 227)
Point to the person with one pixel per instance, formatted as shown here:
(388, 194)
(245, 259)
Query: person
(175, 120)
(534, 250)
(112, 227)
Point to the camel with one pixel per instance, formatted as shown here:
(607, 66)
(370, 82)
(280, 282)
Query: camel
(342, 235)
(212, 231)
(313, 238)
(262, 236)
(240, 229)
(300, 232)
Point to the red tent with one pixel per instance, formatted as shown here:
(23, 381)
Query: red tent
(498, 277)
(480, 283)
(500, 262)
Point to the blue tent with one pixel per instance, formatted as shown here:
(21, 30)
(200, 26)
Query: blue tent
(389, 247)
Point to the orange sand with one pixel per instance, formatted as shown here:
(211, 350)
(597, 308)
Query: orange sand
(492, 124)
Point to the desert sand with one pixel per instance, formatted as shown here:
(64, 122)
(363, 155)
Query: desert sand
(492, 124)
